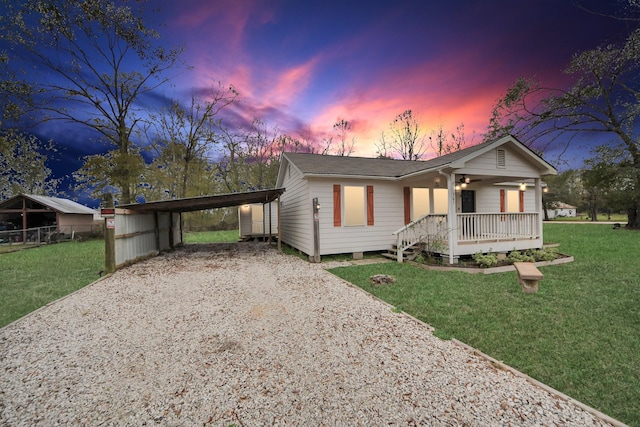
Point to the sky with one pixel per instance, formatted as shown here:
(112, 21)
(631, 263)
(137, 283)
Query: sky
(304, 65)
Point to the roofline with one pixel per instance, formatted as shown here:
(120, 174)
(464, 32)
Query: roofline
(206, 202)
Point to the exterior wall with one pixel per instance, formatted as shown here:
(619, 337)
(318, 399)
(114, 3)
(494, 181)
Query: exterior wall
(488, 198)
(486, 164)
(68, 223)
(296, 222)
(388, 217)
(250, 228)
(135, 237)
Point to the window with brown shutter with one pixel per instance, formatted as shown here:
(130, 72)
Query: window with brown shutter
(337, 209)
(521, 201)
(407, 205)
(369, 204)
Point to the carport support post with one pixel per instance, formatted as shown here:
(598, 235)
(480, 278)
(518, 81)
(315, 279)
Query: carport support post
(316, 231)
(109, 245)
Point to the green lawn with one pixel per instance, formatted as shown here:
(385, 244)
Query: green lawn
(579, 334)
(31, 278)
(211, 236)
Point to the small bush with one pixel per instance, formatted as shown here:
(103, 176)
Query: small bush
(485, 260)
(517, 256)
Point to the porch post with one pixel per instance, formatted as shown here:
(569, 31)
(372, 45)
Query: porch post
(451, 215)
(537, 183)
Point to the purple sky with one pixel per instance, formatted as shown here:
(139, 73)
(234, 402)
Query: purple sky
(304, 65)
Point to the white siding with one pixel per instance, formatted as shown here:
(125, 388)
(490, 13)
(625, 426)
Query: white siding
(486, 164)
(388, 217)
(488, 197)
(249, 227)
(296, 226)
(135, 237)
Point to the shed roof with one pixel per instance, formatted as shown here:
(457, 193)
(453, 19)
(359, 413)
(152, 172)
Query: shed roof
(57, 204)
(191, 204)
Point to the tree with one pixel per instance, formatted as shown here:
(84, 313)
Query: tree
(442, 145)
(608, 180)
(344, 147)
(405, 138)
(92, 62)
(603, 99)
(184, 135)
(23, 165)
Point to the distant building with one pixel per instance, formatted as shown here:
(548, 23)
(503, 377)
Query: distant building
(562, 210)
(29, 211)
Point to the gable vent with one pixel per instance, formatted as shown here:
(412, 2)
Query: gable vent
(501, 162)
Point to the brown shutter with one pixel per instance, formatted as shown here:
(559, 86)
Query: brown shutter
(503, 201)
(407, 205)
(337, 208)
(369, 204)
(521, 201)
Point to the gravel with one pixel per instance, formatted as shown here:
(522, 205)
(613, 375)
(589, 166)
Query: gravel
(238, 334)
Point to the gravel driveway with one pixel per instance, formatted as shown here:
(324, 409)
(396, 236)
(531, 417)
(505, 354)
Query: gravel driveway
(241, 335)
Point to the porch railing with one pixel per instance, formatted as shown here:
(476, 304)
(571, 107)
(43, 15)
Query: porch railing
(476, 227)
(430, 229)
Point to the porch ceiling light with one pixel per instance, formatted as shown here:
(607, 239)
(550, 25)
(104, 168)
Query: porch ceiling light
(465, 179)
(457, 187)
(523, 186)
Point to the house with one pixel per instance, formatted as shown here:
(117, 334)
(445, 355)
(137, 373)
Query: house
(561, 210)
(485, 198)
(29, 212)
(257, 220)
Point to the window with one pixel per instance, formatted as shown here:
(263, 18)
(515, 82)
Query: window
(354, 205)
(440, 201)
(514, 201)
(420, 202)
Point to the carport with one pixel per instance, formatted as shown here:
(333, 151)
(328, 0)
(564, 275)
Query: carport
(137, 231)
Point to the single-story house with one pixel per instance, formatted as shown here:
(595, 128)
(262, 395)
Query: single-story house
(29, 211)
(485, 198)
(258, 220)
(561, 210)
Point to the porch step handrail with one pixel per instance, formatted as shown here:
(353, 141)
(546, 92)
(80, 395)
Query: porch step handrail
(427, 227)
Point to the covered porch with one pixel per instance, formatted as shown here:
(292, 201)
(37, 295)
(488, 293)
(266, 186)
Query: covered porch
(484, 213)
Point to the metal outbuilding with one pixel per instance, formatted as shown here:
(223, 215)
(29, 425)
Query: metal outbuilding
(26, 213)
(136, 231)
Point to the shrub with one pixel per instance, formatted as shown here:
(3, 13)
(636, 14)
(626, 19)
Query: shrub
(518, 256)
(485, 260)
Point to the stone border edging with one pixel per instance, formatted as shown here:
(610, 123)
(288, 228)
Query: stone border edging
(498, 364)
(551, 390)
(492, 270)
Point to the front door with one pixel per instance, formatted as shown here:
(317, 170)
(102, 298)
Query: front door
(468, 201)
(468, 206)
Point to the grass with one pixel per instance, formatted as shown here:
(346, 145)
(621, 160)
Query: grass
(31, 278)
(578, 334)
(621, 218)
(211, 236)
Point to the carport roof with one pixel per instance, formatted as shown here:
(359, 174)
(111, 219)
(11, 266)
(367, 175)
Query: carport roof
(207, 202)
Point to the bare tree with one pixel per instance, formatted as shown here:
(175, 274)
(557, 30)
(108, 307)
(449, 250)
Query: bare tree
(183, 135)
(604, 98)
(405, 138)
(91, 62)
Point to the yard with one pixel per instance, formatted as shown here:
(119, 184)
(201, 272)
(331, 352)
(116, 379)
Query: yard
(578, 334)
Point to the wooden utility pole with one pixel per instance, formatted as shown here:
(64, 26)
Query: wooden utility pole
(316, 231)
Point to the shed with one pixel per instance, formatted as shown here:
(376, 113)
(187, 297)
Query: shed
(30, 212)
